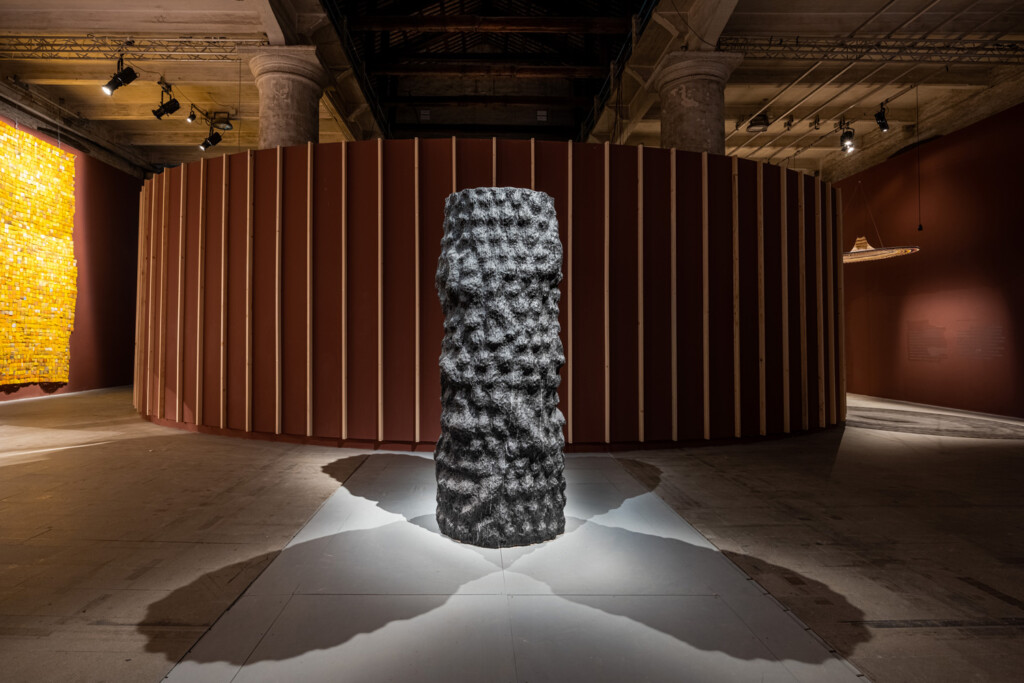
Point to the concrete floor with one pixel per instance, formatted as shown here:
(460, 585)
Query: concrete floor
(899, 540)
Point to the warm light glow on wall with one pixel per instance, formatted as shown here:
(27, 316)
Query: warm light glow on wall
(39, 273)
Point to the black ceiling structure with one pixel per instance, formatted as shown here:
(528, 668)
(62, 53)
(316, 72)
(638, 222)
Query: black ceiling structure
(482, 68)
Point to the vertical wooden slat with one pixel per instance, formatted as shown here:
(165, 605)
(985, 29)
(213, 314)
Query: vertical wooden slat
(380, 289)
(200, 292)
(737, 387)
(674, 295)
(179, 392)
(705, 303)
(151, 235)
(820, 331)
(640, 288)
(762, 400)
(533, 164)
(841, 340)
(250, 210)
(784, 288)
(139, 279)
(278, 227)
(309, 289)
(224, 296)
(568, 287)
(161, 357)
(454, 177)
(607, 296)
(802, 257)
(344, 291)
(830, 306)
(494, 162)
(416, 281)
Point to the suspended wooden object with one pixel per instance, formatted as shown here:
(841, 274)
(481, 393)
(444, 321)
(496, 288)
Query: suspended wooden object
(863, 251)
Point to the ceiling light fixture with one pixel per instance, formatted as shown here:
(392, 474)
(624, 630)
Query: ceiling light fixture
(221, 120)
(846, 138)
(758, 124)
(124, 76)
(211, 140)
(883, 123)
(191, 114)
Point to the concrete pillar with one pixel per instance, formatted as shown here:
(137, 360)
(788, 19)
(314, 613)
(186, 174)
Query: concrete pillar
(290, 80)
(692, 89)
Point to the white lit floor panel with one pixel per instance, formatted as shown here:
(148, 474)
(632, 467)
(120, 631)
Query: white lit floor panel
(370, 591)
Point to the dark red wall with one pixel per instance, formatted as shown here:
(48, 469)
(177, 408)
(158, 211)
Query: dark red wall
(944, 326)
(106, 237)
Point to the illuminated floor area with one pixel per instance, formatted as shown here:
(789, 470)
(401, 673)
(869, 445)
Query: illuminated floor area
(629, 592)
(899, 540)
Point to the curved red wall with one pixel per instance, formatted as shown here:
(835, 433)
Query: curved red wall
(289, 293)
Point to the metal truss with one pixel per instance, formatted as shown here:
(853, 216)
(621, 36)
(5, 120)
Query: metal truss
(188, 48)
(922, 51)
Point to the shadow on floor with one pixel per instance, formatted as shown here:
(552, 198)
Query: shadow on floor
(603, 559)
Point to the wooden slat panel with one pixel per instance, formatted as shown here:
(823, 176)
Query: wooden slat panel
(621, 259)
(784, 287)
(380, 289)
(569, 280)
(344, 291)
(640, 289)
(819, 303)
(179, 347)
(841, 341)
(309, 289)
(762, 400)
(250, 239)
(737, 386)
(705, 301)
(294, 292)
(656, 279)
(830, 320)
(674, 293)
(416, 297)
(278, 218)
(223, 348)
(201, 292)
(802, 266)
(606, 336)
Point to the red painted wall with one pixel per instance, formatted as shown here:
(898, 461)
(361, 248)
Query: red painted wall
(944, 326)
(106, 236)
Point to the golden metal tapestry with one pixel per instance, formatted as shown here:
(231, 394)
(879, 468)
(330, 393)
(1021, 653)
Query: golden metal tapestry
(38, 273)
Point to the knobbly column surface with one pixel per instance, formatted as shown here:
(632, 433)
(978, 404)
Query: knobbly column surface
(499, 458)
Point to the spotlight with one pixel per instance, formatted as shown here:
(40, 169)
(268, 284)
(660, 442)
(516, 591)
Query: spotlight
(168, 107)
(124, 76)
(758, 124)
(846, 139)
(883, 123)
(191, 114)
(210, 141)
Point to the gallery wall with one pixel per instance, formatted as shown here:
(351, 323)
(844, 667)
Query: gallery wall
(944, 326)
(106, 245)
(289, 293)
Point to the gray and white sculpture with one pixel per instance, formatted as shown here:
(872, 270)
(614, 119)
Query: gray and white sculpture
(499, 458)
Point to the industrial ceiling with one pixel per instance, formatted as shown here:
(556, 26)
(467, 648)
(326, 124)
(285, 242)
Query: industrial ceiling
(515, 68)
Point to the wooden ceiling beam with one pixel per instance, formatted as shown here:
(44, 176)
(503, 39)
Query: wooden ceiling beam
(484, 100)
(487, 69)
(480, 24)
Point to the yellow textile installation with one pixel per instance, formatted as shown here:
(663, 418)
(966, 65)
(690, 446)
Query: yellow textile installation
(38, 273)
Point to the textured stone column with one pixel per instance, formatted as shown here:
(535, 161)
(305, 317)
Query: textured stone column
(499, 459)
(692, 89)
(290, 80)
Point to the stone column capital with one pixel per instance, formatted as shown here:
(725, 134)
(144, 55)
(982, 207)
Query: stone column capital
(298, 61)
(688, 65)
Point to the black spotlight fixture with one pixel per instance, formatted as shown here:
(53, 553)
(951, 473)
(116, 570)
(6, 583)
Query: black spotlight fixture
(191, 114)
(165, 108)
(758, 124)
(883, 123)
(124, 76)
(211, 140)
(846, 137)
